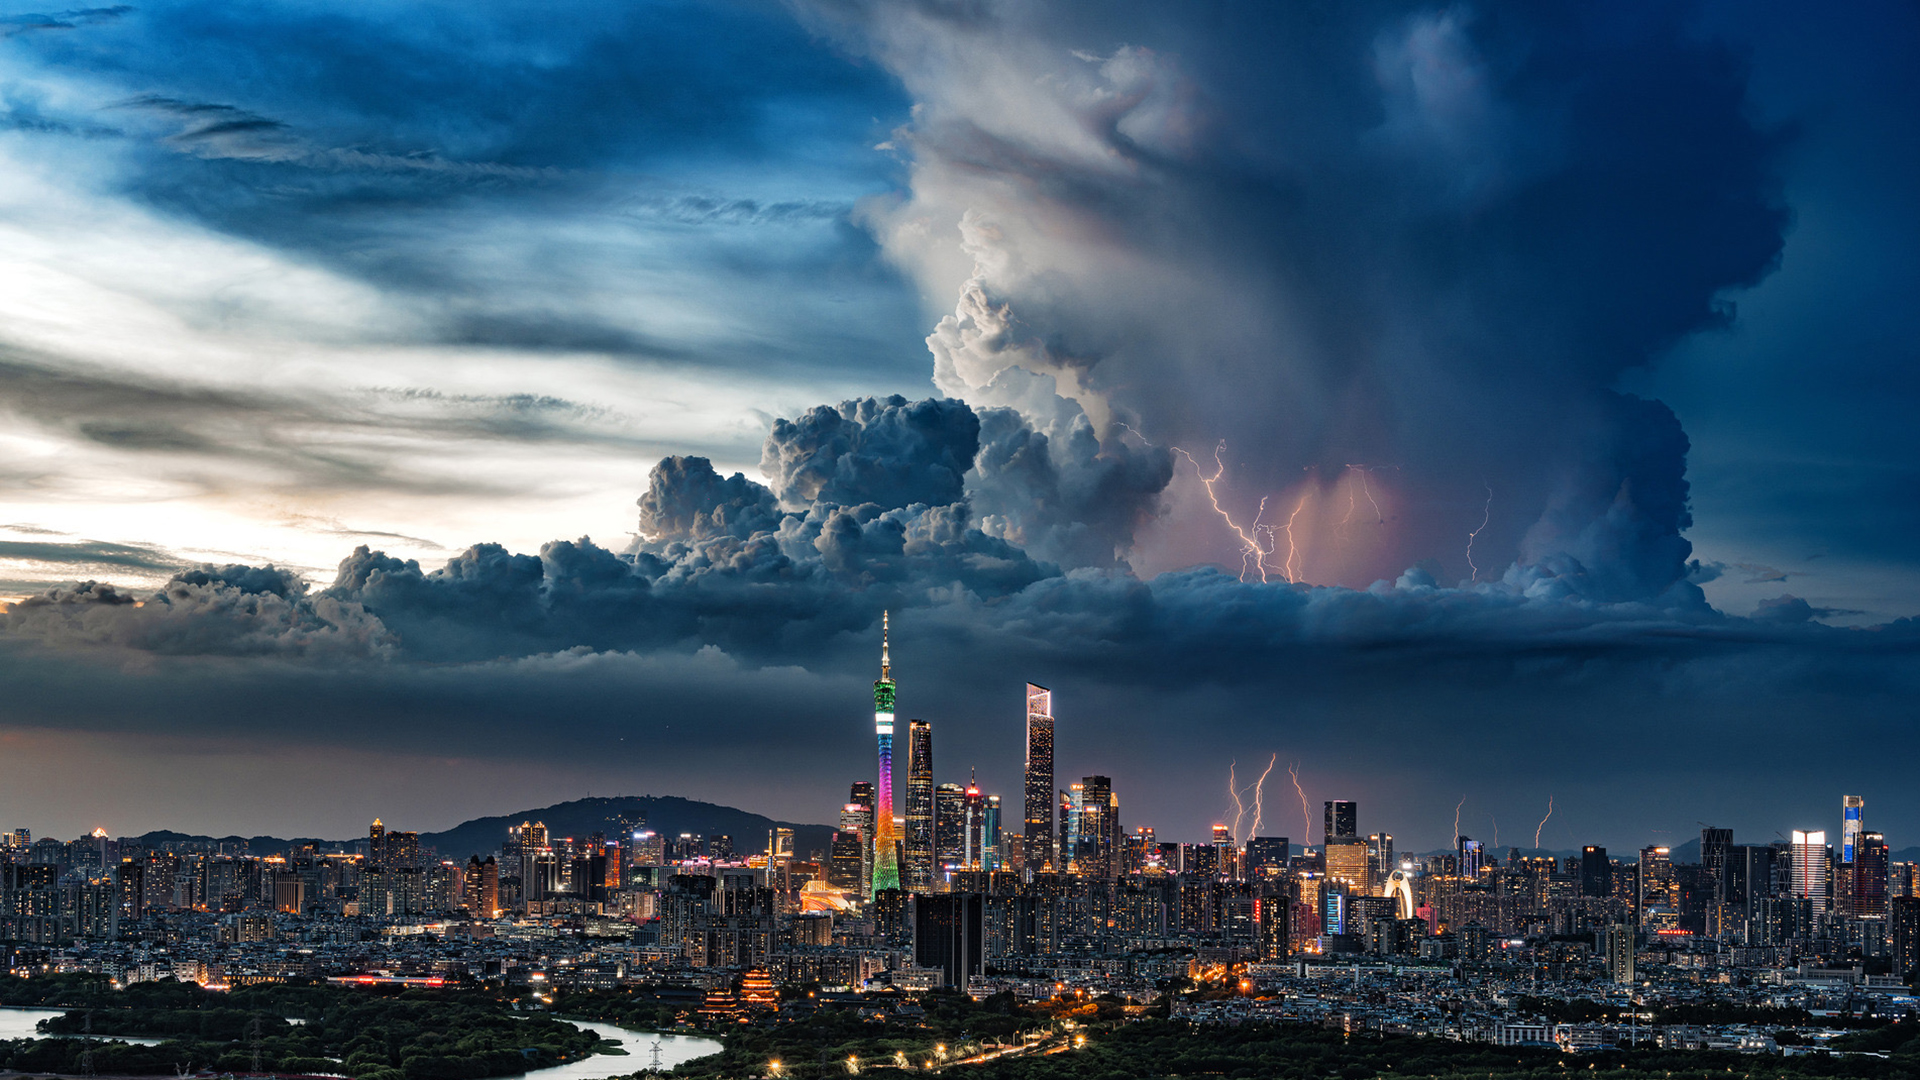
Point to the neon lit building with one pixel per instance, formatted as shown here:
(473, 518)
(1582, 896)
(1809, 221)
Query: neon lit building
(1851, 809)
(886, 857)
(921, 848)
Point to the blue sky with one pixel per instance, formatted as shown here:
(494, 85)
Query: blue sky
(1261, 316)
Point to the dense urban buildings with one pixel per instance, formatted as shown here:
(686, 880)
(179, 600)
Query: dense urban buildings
(945, 898)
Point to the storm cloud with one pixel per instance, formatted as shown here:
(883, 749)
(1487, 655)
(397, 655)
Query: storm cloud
(1372, 289)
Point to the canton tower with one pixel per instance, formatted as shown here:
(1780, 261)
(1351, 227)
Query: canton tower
(886, 859)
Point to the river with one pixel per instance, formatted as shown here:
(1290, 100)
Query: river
(17, 1023)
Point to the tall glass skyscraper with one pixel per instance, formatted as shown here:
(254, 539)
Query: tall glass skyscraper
(917, 876)
(1037, 844)
(886, 858)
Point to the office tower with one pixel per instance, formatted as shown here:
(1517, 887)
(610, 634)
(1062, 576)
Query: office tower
(1266, 852)
(949, 828)
(861, 795)
(1869, 876)
(1810, 879)
(844, 862)
(918, 874)
(1659, 888)
(949, 933)
(1596, 872)
(1471, 856)
(533, 837)
(1097, 832)
(1342, 820)
(1039, 780)
(1620, 952)
(1852, 809)
(1903, 914)
(1347, 863)
(886, 858)
(992, 839)
(973, 828)
(1379, 860)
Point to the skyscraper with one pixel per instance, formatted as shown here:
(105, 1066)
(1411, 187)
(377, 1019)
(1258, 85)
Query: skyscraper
(1039, 779)
(1596, 872)
(1869, 874)
(886, 861)
(861, 795)
(949, 829)
(1097, 839)
(973, 833)
(1342, 820)
(990, 839)
(918, 874)
(1810, 880)
(1852, 810)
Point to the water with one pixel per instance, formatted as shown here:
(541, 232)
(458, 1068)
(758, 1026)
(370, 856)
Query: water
(17, 1023)
(674, 1049)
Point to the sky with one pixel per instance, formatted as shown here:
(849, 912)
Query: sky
(427, 411)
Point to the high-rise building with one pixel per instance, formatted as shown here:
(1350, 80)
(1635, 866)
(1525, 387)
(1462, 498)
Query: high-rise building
(1097, 832)
(1264, 852)
(1039, 780)
(1852, 823)
(949, 829)
(861, 795)
(991, 844)
(1659, 888)
(886, 858)
(1868, 876)
(1471, 856)
(949, 933)
(1903, 917)
(1348, 864)
(1379, 860)
(1810, 879)
(1596, 872)
(918, 874)
(1620, 945)
(973, 831)
(1342, 820)
(482, 887)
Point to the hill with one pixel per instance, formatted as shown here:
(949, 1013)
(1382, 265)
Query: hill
(664, 814)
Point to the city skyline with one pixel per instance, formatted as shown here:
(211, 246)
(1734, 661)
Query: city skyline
(1499, 412)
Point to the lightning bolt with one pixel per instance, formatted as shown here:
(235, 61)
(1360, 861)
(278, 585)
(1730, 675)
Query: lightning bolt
(1250, 547)
(1259, 797)
(1239, 808)
(1136, 432)
(1486, 515)
(1496, 829)
(1543, 823)
(1456, 819)
(1306, 812)
(1293, 574)
(1366, 486)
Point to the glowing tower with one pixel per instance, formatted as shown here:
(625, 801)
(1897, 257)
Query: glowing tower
(886, 859)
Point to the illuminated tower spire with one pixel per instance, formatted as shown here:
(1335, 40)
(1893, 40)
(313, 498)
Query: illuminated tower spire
(886, 859)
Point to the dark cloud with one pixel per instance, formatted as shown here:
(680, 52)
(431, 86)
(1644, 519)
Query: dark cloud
(882, 451)
(87, 553)
(1387, 234)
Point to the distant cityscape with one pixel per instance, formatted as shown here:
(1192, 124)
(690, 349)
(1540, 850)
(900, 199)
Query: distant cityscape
(942, 893)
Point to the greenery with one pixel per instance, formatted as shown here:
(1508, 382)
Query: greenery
(371, 1033)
